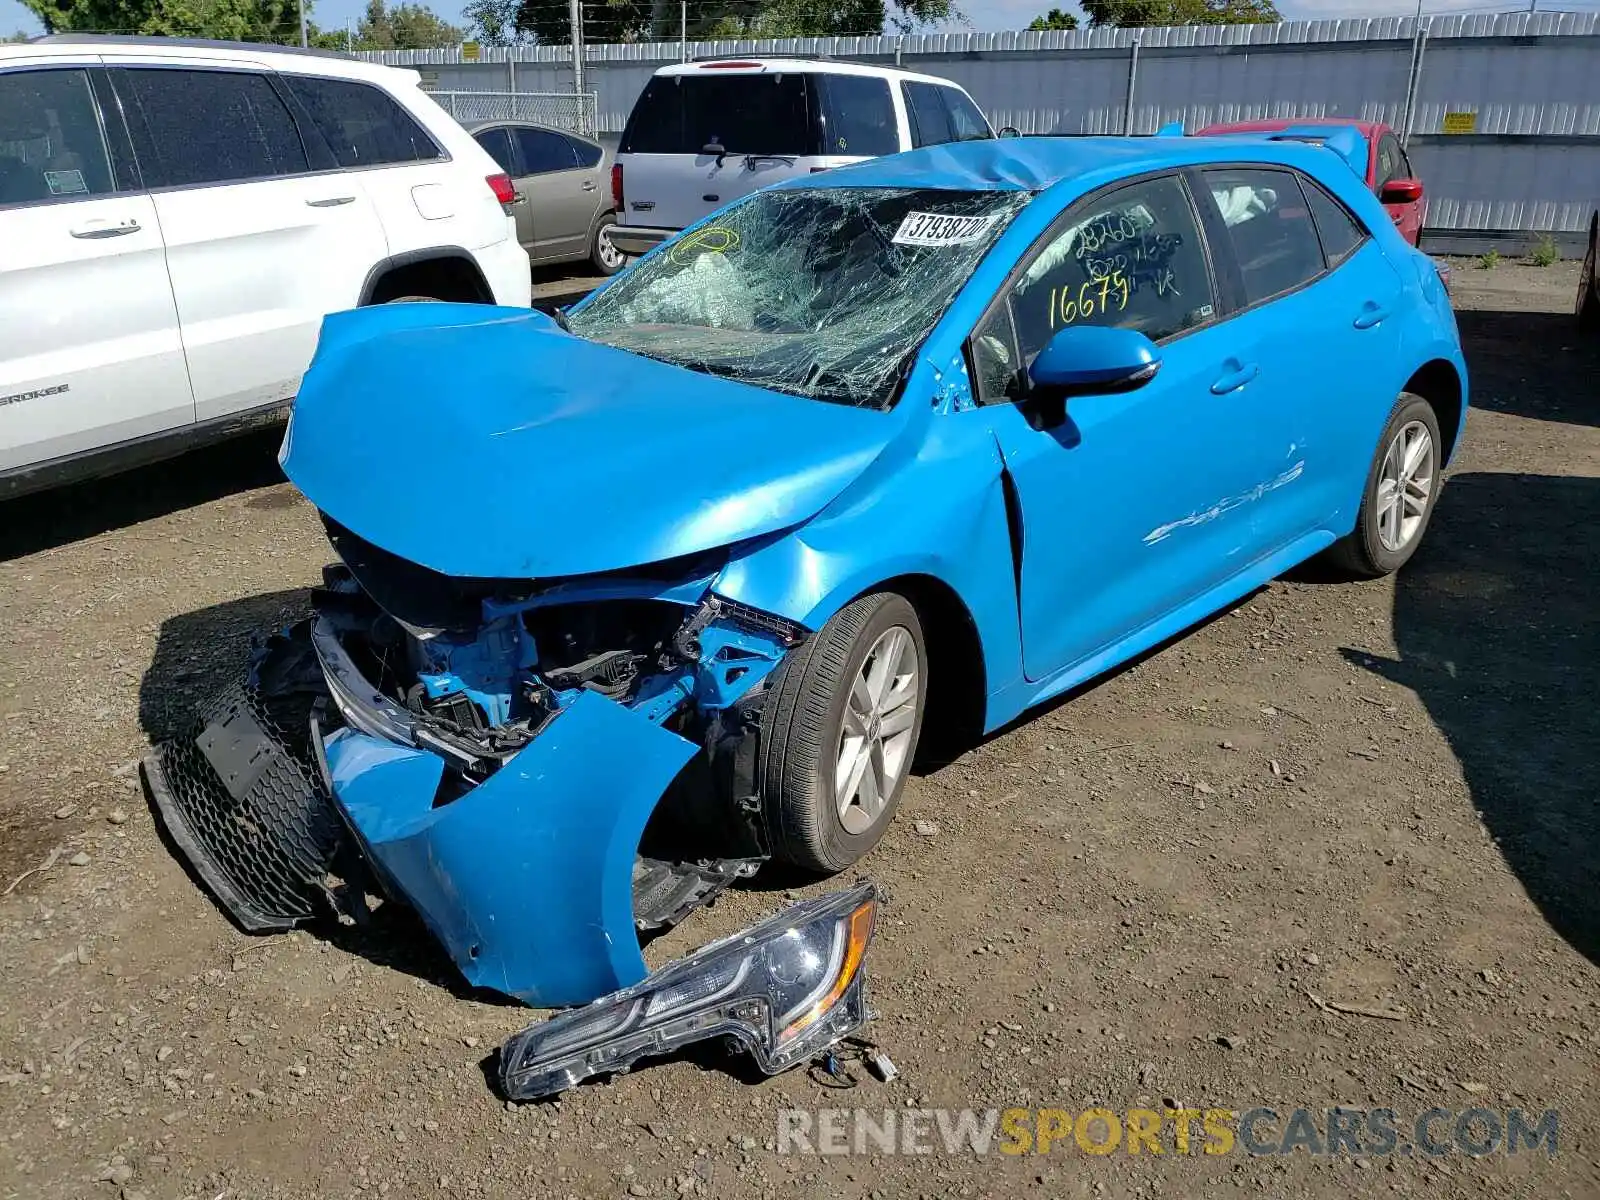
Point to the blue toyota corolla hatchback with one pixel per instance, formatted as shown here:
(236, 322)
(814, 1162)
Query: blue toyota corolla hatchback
(634, 598)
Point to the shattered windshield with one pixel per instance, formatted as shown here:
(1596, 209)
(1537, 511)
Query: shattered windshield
(819, 292)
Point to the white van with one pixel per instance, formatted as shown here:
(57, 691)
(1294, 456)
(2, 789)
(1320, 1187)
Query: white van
(176, 218)
(704, 133)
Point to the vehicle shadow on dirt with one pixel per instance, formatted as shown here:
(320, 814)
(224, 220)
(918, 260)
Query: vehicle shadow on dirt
(1506, 352)
(1495, 625)
(76, 511)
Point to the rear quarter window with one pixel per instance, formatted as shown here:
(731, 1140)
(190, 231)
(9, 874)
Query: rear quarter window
(363, 125)
(746, 113)
(1340, 232)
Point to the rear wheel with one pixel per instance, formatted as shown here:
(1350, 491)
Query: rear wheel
(603, 254)
(1588, 284)
(840, 732)
(1402, 486)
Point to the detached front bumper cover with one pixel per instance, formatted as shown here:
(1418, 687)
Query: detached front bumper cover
(783, 990)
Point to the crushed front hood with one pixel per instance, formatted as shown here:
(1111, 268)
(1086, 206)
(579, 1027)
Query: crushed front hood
(485, 442)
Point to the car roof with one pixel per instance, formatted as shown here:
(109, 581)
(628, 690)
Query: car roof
(759, 64)
(1036, 164)
(77, 47)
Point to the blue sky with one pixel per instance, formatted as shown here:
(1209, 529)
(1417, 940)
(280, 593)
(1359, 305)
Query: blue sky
(981, 14)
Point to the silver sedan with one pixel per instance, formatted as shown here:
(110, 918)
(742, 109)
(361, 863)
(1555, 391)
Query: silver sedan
(563, 206)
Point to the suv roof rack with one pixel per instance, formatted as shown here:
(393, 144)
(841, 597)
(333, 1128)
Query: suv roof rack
(818, 57)
(123, 39)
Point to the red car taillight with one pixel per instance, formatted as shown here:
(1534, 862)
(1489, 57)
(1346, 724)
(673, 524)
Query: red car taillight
(616, 186)
(503, 190)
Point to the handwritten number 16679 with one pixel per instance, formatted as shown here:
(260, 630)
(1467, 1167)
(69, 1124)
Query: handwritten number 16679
(1107, 294)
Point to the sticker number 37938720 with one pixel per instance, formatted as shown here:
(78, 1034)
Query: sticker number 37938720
(935, 229)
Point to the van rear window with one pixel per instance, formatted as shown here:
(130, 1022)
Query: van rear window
(745, 113)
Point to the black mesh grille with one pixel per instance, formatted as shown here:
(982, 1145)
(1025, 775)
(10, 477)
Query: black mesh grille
(254, 820)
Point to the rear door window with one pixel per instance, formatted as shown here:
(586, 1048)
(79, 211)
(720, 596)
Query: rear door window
(543, 151)
(925, 109)
(745, 113)
(857, 115)
(51, 147)
(1270, 228)
(363, 125)
(198, 127)
(498, 143)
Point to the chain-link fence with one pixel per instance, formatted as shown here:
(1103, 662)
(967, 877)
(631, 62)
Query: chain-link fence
(560, 110)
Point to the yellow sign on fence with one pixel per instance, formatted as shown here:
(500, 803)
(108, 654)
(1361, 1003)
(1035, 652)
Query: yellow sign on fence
(1461, 122)
(469, 51)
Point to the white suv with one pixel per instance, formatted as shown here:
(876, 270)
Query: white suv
(704, 133)
(177, 217)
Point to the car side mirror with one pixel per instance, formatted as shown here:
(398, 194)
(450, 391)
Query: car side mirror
(1010, 131)
(1086, 360)
(1401, 191)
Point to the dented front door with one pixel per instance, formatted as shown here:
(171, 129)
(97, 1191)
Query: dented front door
(1136, 504)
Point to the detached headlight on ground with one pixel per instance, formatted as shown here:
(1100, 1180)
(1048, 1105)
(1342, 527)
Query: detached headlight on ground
(784, 990)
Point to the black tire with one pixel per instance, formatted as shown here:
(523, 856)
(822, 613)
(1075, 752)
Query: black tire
(413, 300)
(1588, 285)
(1362, 553)
(596, 260)
(802, 730)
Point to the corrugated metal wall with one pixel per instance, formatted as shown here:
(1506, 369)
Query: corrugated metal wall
(1531, 79)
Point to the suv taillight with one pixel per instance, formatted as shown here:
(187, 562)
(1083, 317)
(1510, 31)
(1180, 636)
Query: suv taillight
(616, 187)
(503, 190)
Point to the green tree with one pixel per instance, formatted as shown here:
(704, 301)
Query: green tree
(499, 22)
(1054, 19)
(404, 27)
(1129, 13)
(232, 20)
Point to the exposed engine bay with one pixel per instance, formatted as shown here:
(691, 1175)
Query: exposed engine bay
(576, 753)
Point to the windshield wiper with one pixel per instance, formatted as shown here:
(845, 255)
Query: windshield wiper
(561, 319)
(750, 160)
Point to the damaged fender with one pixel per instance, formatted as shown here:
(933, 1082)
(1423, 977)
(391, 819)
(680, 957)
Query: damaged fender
(526, 879)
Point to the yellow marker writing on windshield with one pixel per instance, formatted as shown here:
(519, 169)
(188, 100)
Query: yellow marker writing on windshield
(713, 239)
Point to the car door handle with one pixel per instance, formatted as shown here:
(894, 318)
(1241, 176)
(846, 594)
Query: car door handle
(1372, 313)
(588, 185)
(99, 229)
(331, 201)
(1235, 379)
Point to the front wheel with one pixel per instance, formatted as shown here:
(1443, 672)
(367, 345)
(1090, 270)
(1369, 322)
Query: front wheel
(1402, 486)
(603, 254)
(840, 732)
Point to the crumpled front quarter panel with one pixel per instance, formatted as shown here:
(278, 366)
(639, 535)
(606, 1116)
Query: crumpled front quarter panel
(528, 878)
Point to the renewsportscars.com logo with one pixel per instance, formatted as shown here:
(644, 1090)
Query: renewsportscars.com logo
(1260, 1131)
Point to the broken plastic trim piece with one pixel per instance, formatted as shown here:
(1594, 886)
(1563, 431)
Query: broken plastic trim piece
(784, 990)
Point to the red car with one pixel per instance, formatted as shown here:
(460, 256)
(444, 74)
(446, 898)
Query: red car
(1388, 174)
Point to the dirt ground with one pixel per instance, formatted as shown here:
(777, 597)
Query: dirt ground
(1379, 796)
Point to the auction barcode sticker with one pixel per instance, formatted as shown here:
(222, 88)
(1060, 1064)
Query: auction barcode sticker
(934, 229)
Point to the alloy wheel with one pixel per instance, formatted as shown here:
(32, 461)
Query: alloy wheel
(1405, 485)
(880, 715)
